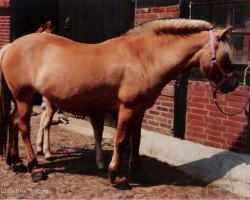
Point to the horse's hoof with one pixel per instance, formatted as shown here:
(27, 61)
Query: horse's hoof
(38, 176)
(10, 160)
(48, 156)
(18, 167)
(39, 153)
(101, 166)
(112, 176)
(121, 183)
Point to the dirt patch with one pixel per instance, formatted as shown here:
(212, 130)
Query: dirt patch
(73, 174)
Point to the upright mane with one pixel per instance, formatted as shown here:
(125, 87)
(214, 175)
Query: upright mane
(171, 26)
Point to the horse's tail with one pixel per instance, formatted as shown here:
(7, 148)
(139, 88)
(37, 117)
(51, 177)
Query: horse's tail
(5, 106)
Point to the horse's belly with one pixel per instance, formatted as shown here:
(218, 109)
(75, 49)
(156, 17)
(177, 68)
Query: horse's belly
(87, 104)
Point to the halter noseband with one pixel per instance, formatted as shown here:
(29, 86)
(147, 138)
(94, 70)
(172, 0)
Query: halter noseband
(213, 63)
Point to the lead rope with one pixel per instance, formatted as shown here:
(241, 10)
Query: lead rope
(247, 102)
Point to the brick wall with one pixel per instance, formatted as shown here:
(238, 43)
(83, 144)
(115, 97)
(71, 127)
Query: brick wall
(159, 118)
(4, 3)
(205, 124)
(4, 25)
(147, 14)
(4, 30)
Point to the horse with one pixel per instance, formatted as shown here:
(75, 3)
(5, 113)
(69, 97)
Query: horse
(124, 74)
(47, 27)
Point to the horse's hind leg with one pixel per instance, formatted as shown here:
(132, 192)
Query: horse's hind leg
(24, 112)
(97, 122)
(13, 154)
(43, 141)
(39, 141)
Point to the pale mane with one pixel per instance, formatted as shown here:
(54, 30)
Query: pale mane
(171, 26)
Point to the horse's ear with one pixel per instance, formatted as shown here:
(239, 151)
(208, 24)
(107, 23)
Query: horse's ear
(222, 34)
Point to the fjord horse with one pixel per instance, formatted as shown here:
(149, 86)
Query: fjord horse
(125, 74)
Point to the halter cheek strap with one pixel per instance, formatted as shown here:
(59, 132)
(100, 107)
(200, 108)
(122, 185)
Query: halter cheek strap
(213, 63)
(212, 45)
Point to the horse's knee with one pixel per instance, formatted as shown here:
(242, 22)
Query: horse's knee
(23, 127)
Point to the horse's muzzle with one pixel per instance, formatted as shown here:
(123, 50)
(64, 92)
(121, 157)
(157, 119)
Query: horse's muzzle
(229, 85)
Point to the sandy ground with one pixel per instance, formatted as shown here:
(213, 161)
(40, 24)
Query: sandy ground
(72, 174)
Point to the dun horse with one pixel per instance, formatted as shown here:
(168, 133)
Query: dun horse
(124, 74)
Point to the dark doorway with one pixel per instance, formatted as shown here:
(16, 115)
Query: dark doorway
(94, 21)
(28, 15)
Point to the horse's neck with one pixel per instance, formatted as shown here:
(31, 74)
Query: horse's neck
(179, 54)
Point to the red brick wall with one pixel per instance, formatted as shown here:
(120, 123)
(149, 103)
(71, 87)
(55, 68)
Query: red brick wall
(146, 14)
(4, 30)
(4, 25)
(4, 3)
(159, 118)
(205, 124)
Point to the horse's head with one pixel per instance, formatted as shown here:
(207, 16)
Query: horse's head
(216, 61)
(46, 28)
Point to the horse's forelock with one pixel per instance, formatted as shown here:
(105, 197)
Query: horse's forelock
(226, 50)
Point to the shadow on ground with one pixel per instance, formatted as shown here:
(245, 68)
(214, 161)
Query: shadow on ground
(153, 172)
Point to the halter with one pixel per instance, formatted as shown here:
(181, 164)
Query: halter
(213, 63)
(225, 76)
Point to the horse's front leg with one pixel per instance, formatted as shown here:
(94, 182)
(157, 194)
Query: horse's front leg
(24, 112)
(135, 138)
(124, 117)
(97, 122)
(43, 140)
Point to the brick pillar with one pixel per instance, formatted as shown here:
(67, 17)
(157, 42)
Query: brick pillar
(4, 25)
